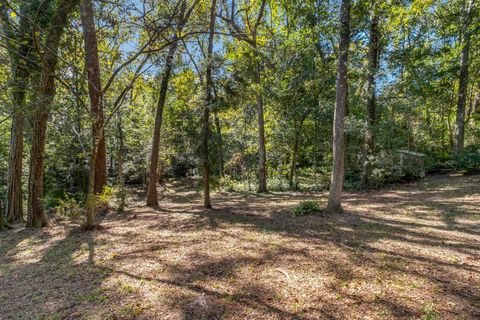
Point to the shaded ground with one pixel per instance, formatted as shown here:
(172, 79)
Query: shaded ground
(411, 252)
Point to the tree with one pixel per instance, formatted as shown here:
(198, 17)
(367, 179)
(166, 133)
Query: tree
(208, 104)
(98, 171)
(338, 170)
(45, 92)
(250, 35)
(463, 77)
(152, 196)
(18, 41)
(373, 59)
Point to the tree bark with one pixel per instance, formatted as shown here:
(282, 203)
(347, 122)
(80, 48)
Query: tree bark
(373, 60)
(338, 170)
(206, 113)
(15, 159)
(95, 91)
(463, 80)
(19, 56)
(44, 97)
(152, 194)
(262, 155)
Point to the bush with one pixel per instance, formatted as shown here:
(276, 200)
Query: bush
(105, 198)
(69, 207)
(469, 162)
(305, 208)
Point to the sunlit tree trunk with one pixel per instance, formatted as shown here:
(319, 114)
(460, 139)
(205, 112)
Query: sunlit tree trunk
(95, 91)
(338, 170)
(463, 80)
(373, 58)
(206, 113)
(45, 93)
(98, 172)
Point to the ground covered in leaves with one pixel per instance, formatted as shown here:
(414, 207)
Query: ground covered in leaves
(408, 252)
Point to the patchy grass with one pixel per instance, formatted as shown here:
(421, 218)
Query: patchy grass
(410, 252)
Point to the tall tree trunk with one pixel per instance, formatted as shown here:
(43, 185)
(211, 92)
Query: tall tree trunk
(463, 79)
(338, 170)
(15, 159)
(152, 194)
(206, 113)
(95, 91)
(44, 98)
(373, 58)
(19, 57)
(262, 155)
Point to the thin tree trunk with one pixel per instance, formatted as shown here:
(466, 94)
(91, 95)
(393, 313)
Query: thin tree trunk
(262, 155)
(293, 167)
(373, 57)
(463, 81)
(338, 170)
(95, 91)
(206, 113)
(152, 194)
(121, 184)
(44, 98)
(220, 145)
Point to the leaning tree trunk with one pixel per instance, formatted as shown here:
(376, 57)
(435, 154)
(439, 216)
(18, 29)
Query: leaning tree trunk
(44, 97)
(152, 194)
(336, 184)
(206, 113)
(463, 82)
(373, 57)
(95, 91)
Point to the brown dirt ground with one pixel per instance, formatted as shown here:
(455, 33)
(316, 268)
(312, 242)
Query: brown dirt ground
(409, 252)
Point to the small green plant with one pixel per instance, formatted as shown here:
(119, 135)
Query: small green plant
(307, 207)
(69, 207)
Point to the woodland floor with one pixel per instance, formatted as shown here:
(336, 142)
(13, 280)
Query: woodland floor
(408, 252)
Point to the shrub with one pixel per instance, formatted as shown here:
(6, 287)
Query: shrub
(304, 208)
(69, 207)
(469, 162)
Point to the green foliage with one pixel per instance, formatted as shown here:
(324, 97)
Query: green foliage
(307, 207)
(469, 161)
(69, 207)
